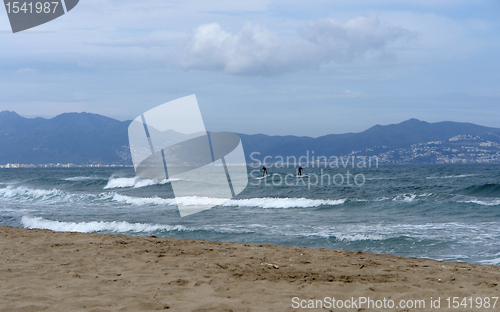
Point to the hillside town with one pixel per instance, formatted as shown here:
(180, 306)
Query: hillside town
(460, 149)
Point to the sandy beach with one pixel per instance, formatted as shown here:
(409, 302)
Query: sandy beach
(43, 270)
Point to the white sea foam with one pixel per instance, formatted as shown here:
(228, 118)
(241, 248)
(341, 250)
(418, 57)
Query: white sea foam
(348, 233)
(97, 226)
(283, 203)
(210, 201)
(494, 260)
(490, 261)
(453, 177)
(370, 200)
(58, 196)
(143, 201)
(121, 182)
(484, 202)
(354, 237)
(52, 196)
(181, 201)
(121, 226)
(435, 231)
(408, 198)
(78, 179)
(135, 182)
(26, 193)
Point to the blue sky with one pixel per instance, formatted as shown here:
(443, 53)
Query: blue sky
(276, 67)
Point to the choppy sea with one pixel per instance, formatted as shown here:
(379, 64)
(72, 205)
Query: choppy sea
(443, 212)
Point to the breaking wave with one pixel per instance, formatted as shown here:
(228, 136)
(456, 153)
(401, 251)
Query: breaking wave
(277, 203)
(452, 176)
(494, 202)
(79, 179)
(59, 196)
(485, 190)
(408, 198)
(135, 182)
(122, 227)
(283, 203)
(96, 226)
(52, 196)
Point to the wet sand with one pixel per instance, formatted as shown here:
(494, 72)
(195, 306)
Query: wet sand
(41, 270)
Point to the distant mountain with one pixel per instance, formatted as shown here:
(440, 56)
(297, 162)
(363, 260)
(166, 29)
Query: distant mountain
(79, 138)
(84, 138)
(378, 139)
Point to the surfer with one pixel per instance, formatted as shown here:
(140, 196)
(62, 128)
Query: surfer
(300, 171)
(265, 171)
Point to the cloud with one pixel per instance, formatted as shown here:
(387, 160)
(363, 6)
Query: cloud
(257, 51)
(26, 71)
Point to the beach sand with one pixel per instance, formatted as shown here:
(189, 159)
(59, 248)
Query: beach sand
(41, 270)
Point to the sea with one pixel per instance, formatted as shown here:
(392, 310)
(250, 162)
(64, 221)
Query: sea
(442, 212)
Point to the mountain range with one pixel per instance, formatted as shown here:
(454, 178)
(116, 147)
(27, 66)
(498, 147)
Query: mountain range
(84, 138)
(79, 138)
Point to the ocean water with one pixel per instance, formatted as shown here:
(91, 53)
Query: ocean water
(443, 212)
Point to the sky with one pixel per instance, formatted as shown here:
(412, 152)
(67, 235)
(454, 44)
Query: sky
(278, 67)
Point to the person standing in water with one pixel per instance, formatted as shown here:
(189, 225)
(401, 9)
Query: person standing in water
(300, 171)
(265, 171)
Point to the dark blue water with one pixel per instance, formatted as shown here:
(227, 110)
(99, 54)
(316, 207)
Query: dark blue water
(444, 212)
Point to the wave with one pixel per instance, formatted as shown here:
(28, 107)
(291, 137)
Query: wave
(452, 231)
(452, 177)
(79, 179)
(26, 193)
(181, 201)
(277, 203)
(347, 236)
(59, 196)
(56, 196)
(123, 227)
(495, 261)
(283, 203)
(143, 201)
(52, 196)
(135, 182)
(408, 198)
(448, 231)
(494, 202)
(97, 226)
(485, 190)
(356, 237)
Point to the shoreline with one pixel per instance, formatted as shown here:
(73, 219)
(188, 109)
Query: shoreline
(68, 271)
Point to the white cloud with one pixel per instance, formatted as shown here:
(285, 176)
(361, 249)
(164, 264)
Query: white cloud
(257, 51)
(26, 71)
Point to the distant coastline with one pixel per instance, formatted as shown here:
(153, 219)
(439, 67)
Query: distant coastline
(89, 140)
